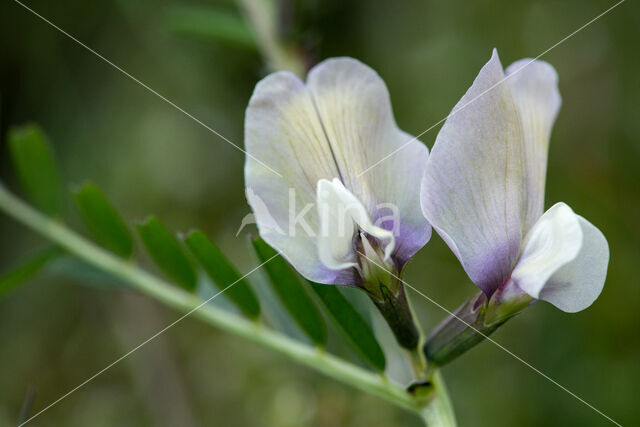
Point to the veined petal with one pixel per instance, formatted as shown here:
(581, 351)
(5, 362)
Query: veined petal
(474, 184)
(340, 212)
(578, 284)
(534, 85)
(282, 129)
(354, 106)
(553, 241)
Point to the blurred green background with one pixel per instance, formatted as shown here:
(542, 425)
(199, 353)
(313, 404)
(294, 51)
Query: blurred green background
(149, 158)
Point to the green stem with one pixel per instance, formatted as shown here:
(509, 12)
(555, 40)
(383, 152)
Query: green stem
(263, 19)
(436, 413)
(439, 411)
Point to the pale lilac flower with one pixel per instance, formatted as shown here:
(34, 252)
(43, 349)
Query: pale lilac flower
(319, 135)
(483, 192)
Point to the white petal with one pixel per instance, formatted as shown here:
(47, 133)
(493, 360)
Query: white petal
(535, 89)
(335, 238)
(282, 129)
(340, 212)
(354, 106)
(553, 241)
(576, 285)
(474, 184)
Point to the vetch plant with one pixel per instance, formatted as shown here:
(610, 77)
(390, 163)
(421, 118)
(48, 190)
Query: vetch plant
(483, 192)
(481, 188)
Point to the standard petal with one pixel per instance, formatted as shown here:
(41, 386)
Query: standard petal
(534, 85)
(553, 241)
(355, 110)
(282, 130)
(576, 285)
(472, 191)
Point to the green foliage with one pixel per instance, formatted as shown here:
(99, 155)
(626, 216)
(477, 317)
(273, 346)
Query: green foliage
(104, 222)
(223, 273)
(35, 165)
(166, 252)
(211, 25)
(360, 334)
(289, 289)
(27, 269)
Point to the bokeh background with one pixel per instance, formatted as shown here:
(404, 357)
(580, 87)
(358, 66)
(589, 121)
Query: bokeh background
(60, 328)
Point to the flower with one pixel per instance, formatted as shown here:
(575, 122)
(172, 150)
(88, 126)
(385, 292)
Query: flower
(483, 192)
(319, 136)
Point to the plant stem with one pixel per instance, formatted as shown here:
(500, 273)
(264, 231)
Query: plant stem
(263, 19)
(436, 413)
(439, 411)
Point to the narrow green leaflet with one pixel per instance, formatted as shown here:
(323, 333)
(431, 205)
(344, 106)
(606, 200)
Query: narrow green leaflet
(211, 25)
(104, 222)
(222, 273)
(28, 269)
(360, 334)
(290, 291)
(166, 252)
(35, 165)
